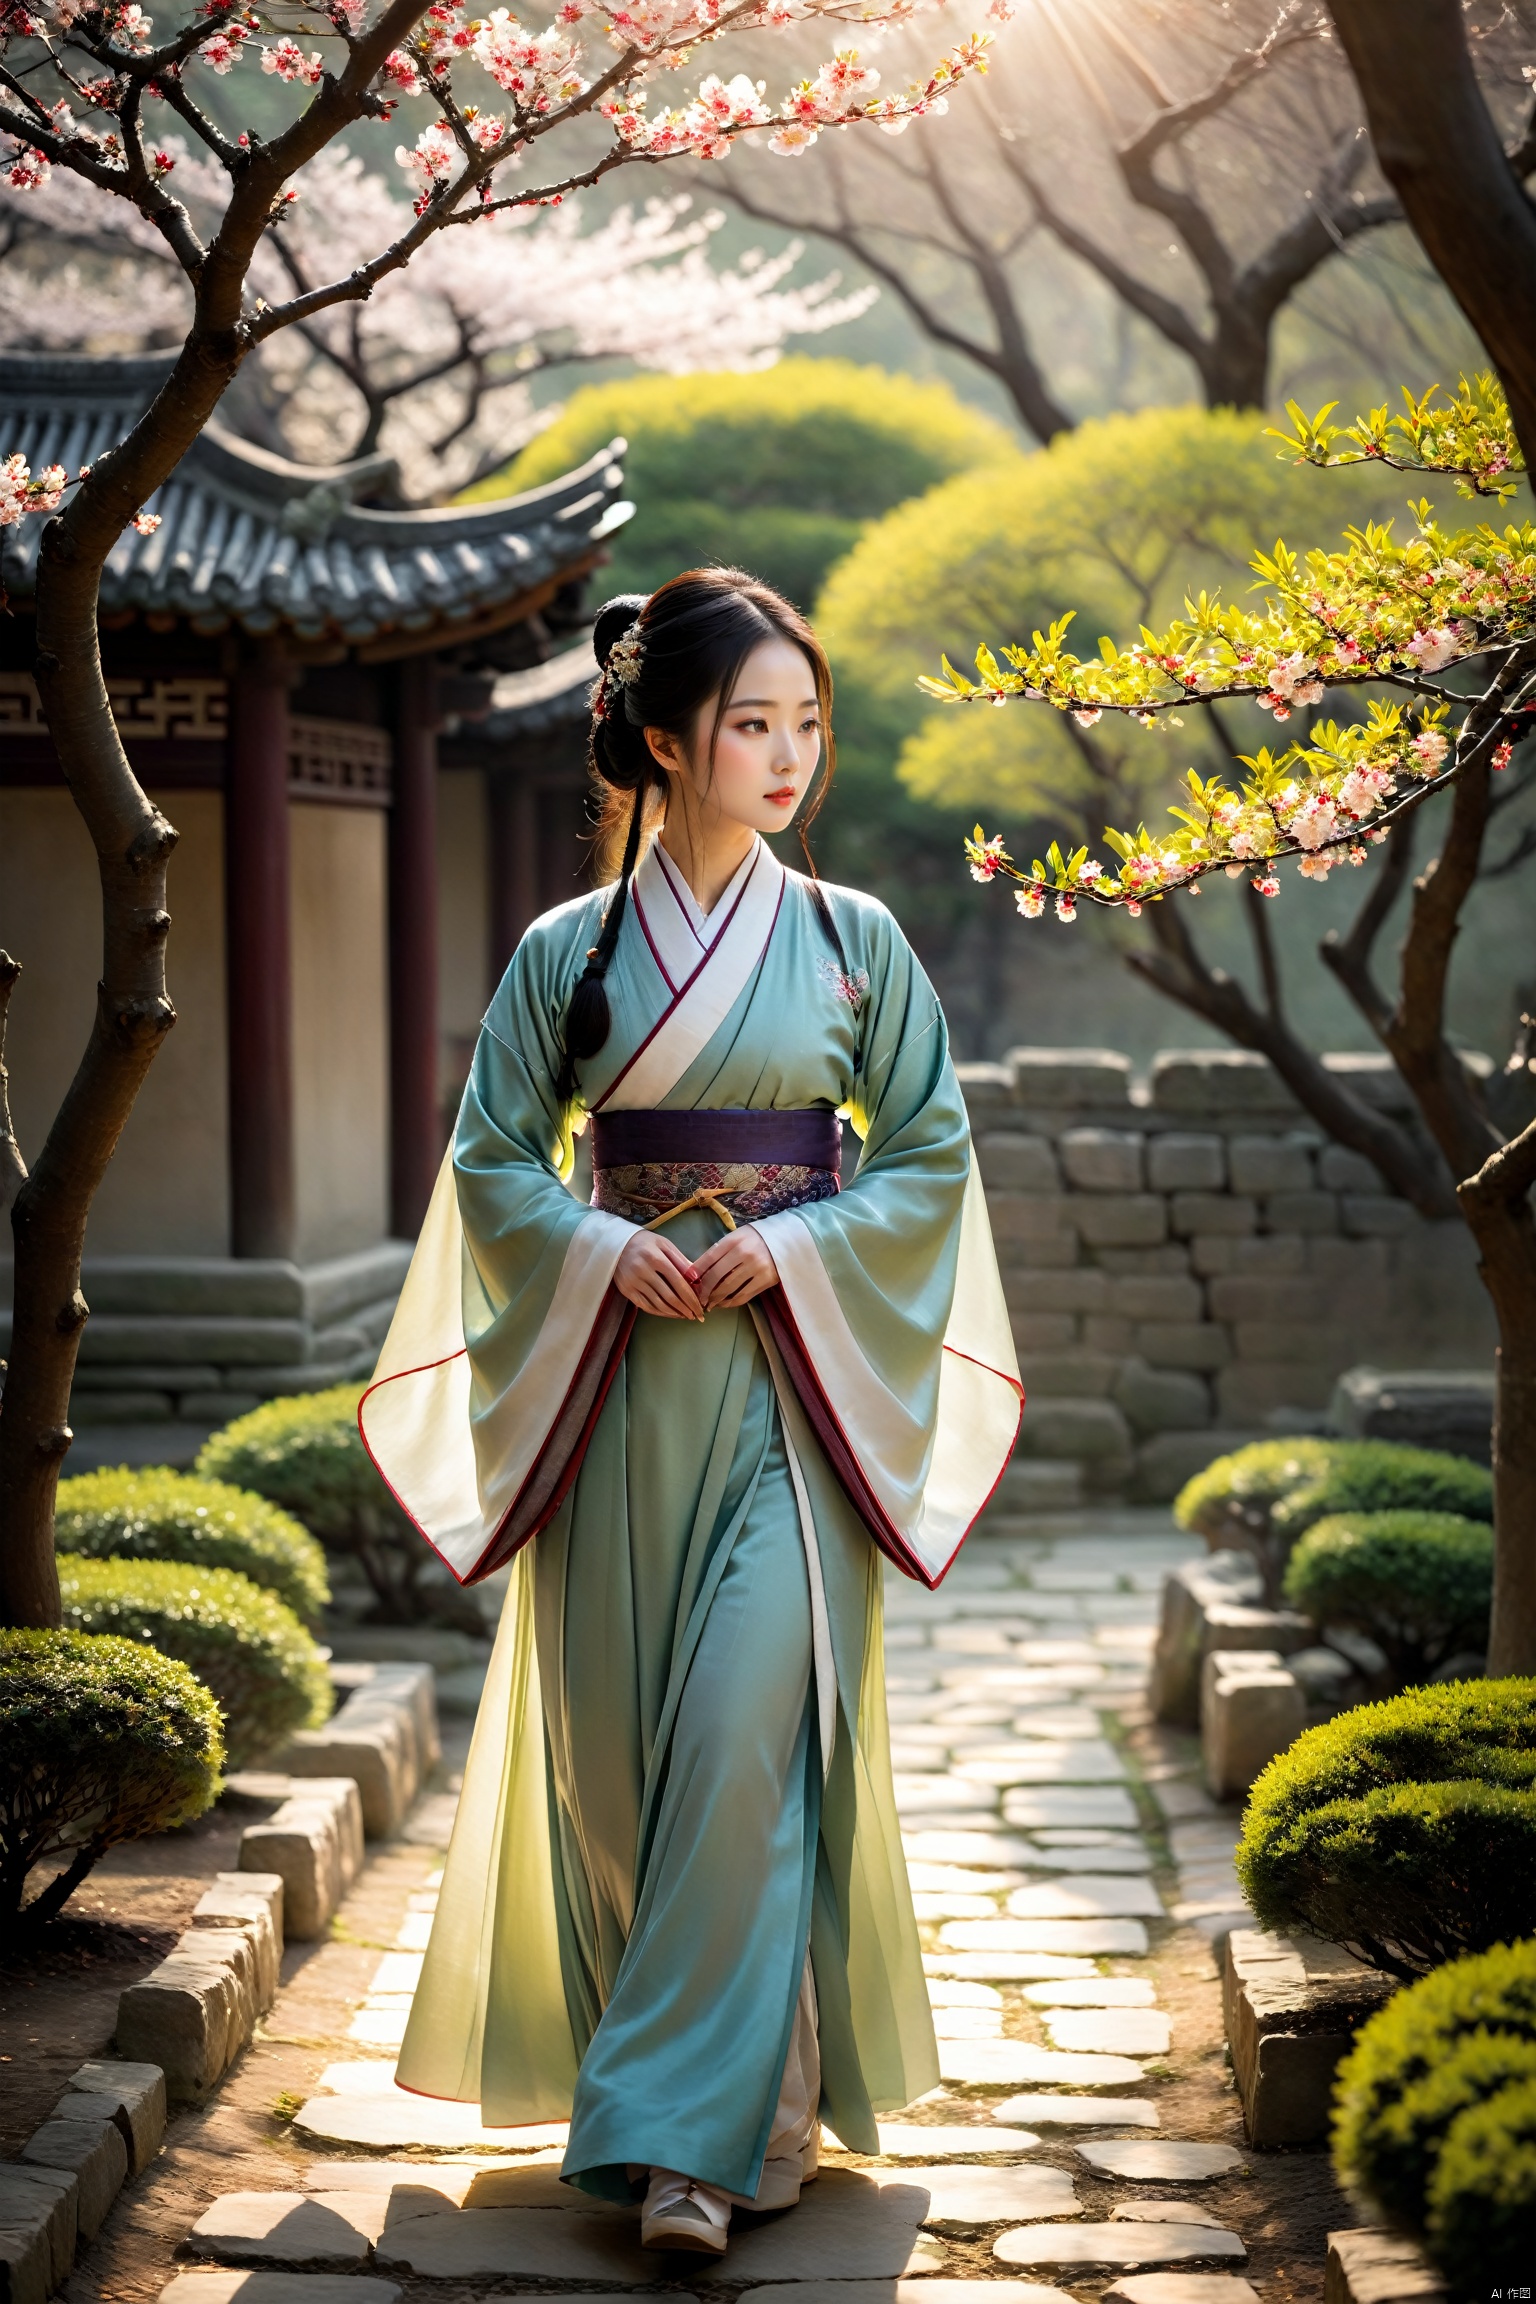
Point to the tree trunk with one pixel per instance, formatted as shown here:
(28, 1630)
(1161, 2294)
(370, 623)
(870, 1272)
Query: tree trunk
(1439, 150)
(1497, 1205)
(133, 843)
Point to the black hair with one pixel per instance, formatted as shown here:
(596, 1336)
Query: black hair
(694, 636)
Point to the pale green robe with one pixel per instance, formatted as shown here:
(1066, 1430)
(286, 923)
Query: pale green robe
(681, 1768)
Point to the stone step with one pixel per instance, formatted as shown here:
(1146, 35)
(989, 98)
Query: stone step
(1092, 1992)
(1115, 2245)
(1087, 1896)
(1162, 2163)
(1065, 2111)
(1015, 2063)
(1034, 1809)
(1092, 1939)
(1182, 2288)
(891, 2292)
(278, 2288)
(1109, 2031)
(905, 2140)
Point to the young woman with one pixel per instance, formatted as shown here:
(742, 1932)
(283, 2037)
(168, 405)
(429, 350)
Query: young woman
(675, 1908)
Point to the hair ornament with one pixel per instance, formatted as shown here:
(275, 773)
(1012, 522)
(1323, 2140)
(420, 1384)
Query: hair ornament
(627, 656)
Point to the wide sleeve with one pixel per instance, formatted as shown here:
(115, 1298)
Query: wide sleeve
(508, 1329)
(889, 1314)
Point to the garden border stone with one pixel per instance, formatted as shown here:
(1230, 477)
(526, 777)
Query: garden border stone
(1292, 2006)
(1376, 2267)
(311, 1838)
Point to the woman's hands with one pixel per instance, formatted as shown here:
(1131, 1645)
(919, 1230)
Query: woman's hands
(659, 1279)
(735, 1270)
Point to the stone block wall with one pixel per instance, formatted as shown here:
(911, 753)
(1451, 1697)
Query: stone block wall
(1189, 1263)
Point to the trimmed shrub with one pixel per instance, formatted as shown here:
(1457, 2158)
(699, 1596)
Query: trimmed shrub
(1420, 1584)
(165, 1515)
(1262, 1499)
(104, 1741)
(1435, 2116)
(1406, 1830)
(304, 1452)
(252, 1654)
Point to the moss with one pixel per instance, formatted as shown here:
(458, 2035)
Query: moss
(1420, 1584)
(252, 1654)
(104, 1741)
(164, 1515)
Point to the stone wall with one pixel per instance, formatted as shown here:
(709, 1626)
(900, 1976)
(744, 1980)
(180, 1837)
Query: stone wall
(1189, 1263)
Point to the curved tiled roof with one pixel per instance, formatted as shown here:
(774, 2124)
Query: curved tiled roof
(249, 538)
(555, 694)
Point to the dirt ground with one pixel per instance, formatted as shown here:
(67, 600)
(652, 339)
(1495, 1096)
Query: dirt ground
(58, 1997)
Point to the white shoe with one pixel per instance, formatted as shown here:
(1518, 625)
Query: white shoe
(683, 2214)
(785, 2174)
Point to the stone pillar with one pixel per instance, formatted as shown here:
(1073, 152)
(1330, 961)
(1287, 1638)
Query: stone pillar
(257, 965)
(415, 1139)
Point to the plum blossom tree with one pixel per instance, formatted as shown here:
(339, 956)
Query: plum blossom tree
(434, 368)
(1441, 629)
(87, 88)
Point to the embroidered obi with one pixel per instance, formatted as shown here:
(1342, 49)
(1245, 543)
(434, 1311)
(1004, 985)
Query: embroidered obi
(760, 1162)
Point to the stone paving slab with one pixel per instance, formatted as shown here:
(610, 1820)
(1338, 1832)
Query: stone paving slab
(949, 1792)
(966, 2199)
(328, 2231)
(1182, 2288)
(1132, 1856)
(1114, 2245)
(277, 2288)
(1085, 1804)
(397, 2121)
(1162, 2163)
(994, 1851)
(967, 2023)
(1068, 1762)
(1011, 2063)
(850, 2223)
(1087, 1896)
(892, 2292)
(1092, 1939)
(1092, 1992)
(1005, 1967)
(905, 2140)
(1117, 2031)
(519, 2243)
(954, 1992)
(1163, 2212)
(1079, 2112)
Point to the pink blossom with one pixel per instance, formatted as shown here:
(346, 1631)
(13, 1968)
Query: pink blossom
(432, 155)
(987, 864)
(401, 70)
(1362, 788)
(288, 62)
(133, 27)
(1503, 754)
(1428, 751)
(21, 493)
(1357, 854)
(1090, 873)
(1087, 715)
(1030, 901)
(146, 522)
(1316, 820)
(28, 171)
(1133, 907)
(1432, 650)
(1243, 844)
(1066, 908)
(790, 140)
(1315, 867)
(1294, 681)
(1268, 886)
(161, 164)
(222, 53)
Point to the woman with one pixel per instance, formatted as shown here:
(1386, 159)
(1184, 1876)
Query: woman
(675, 1907)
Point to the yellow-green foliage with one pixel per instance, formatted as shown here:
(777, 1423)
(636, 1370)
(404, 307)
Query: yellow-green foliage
(163, 1515)
(1407, 1828)
(777, 471)
(1435, 2116)
(251, 1653)
(104, 1741)
(1120, 519)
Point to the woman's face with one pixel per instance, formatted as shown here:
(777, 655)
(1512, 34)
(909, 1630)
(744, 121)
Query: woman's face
(768, 745)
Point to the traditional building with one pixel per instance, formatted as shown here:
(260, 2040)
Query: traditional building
(364, 722)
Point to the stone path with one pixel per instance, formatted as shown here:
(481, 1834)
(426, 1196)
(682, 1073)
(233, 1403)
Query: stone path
(1053, 1843)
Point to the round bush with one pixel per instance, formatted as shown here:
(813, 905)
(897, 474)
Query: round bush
(253, 1655)
(1420, 1584)
(1406, 1830)
(104, 1741)
(1263, 1498)
(165, 1515)
(1435, 2115)
(304, 1452)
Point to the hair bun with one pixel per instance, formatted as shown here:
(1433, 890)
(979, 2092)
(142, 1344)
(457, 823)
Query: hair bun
(613, 620)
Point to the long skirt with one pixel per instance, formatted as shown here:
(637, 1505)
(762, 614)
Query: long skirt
(675, 1646)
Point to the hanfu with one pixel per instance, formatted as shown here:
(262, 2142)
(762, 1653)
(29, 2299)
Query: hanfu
(680, 1776)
